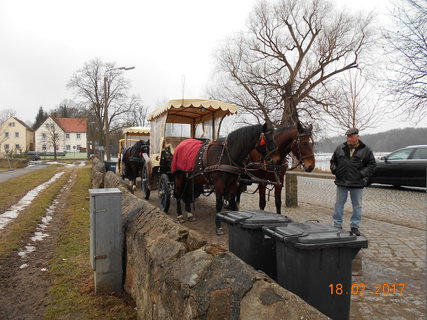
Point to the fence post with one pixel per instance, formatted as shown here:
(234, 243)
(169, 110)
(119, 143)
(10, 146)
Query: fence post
(291, 187)
(106, 242)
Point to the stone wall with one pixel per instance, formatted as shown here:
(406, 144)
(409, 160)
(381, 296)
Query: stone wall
(172, 273)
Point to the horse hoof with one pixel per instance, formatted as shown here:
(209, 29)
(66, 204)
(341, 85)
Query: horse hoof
(219, 231)
(180, 219)
(191, 218)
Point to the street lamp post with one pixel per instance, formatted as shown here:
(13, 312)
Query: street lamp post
(106, 126)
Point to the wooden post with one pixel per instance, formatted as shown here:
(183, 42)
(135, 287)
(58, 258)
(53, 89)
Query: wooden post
(291, 186)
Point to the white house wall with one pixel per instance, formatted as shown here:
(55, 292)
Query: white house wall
(67, 141)
(44, 144)
(75, 141)
(19, 137)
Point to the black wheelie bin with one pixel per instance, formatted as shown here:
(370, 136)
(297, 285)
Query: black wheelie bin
(314, 261)
(110, 166)
(247, 240)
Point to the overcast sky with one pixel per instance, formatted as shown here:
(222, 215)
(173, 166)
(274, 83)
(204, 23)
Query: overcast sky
(44, 42)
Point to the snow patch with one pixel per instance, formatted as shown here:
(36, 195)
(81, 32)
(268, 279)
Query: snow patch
(25, 201)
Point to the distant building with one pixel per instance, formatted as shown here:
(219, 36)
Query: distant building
(64, 134)
(15, 136)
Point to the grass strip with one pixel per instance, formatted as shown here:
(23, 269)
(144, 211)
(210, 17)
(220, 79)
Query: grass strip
(20, 229)
(71, 295)
(14, 189)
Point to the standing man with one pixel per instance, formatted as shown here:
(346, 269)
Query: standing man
(352, 164)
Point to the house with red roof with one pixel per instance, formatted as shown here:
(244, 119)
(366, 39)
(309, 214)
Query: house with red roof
(62, 134)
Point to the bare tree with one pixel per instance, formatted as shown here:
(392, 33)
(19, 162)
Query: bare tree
(88, 85)
(357, 104)
(67, 109)
(6, 114)
(52, 135)
(280, 69)
(136, 117)
(407, 52)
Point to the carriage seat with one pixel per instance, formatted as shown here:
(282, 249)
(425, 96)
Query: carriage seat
(172, 142)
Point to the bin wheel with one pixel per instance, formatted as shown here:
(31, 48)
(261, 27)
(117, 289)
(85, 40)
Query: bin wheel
(144, 182)
(164, 193)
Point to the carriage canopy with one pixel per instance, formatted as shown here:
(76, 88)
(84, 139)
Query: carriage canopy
(134, 134)
(186, 118)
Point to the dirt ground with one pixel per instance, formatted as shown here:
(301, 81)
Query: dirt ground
(204, 213)
(24, 292)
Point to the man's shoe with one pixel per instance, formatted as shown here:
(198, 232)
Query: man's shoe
(355, 231)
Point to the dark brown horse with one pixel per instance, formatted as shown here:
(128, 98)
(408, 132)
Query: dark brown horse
(219, 164)
(133, 161)
(296, 139)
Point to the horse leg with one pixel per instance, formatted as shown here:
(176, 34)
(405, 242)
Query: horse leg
(219, 202)
(134, 182)
(261, 189)
(278, 193)
(180, 218)
(187, 201)
(278, 198)
(242, 187)
(178, 195)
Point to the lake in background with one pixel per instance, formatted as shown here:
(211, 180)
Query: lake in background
(322, 159)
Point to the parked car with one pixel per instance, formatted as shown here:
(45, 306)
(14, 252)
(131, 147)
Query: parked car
(403, 167)
(33, 155)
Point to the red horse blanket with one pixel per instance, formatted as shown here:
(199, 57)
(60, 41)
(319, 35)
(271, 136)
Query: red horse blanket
(185, 155)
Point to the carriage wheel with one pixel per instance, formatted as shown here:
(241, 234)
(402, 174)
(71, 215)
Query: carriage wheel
(164, 193)
(144, 182)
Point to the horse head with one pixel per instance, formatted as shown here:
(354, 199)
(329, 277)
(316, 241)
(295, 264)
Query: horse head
(302, 147)
(140, 147)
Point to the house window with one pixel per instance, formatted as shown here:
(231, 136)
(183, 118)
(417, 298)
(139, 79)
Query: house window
(78, 148)
(78, 136)
(6, 147)
(47, 125)
(16, 134)
(17, 147)
(67, 136)
(11, 124)
(52, 126)
(43, 136)
(68, 147)
(6, 134)
(44, 147)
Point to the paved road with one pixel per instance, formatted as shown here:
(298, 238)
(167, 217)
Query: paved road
(6, 175)
(404, 206)
(394, 221)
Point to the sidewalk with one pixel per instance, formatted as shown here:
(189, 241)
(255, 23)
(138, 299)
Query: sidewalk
(9, 174)
(394, 222)
(397, 245)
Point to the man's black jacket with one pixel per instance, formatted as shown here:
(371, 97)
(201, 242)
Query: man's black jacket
(355, 171)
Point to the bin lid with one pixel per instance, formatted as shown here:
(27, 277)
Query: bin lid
(315, 235)
(253, 219)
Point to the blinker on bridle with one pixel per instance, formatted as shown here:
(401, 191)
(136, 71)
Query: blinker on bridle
(261, 143)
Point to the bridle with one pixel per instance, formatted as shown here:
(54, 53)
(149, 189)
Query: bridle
(297, 141)
(262, 143)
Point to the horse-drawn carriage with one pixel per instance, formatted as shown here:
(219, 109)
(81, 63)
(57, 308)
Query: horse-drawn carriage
(188, 158)
(130, 159)
(172, 123)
